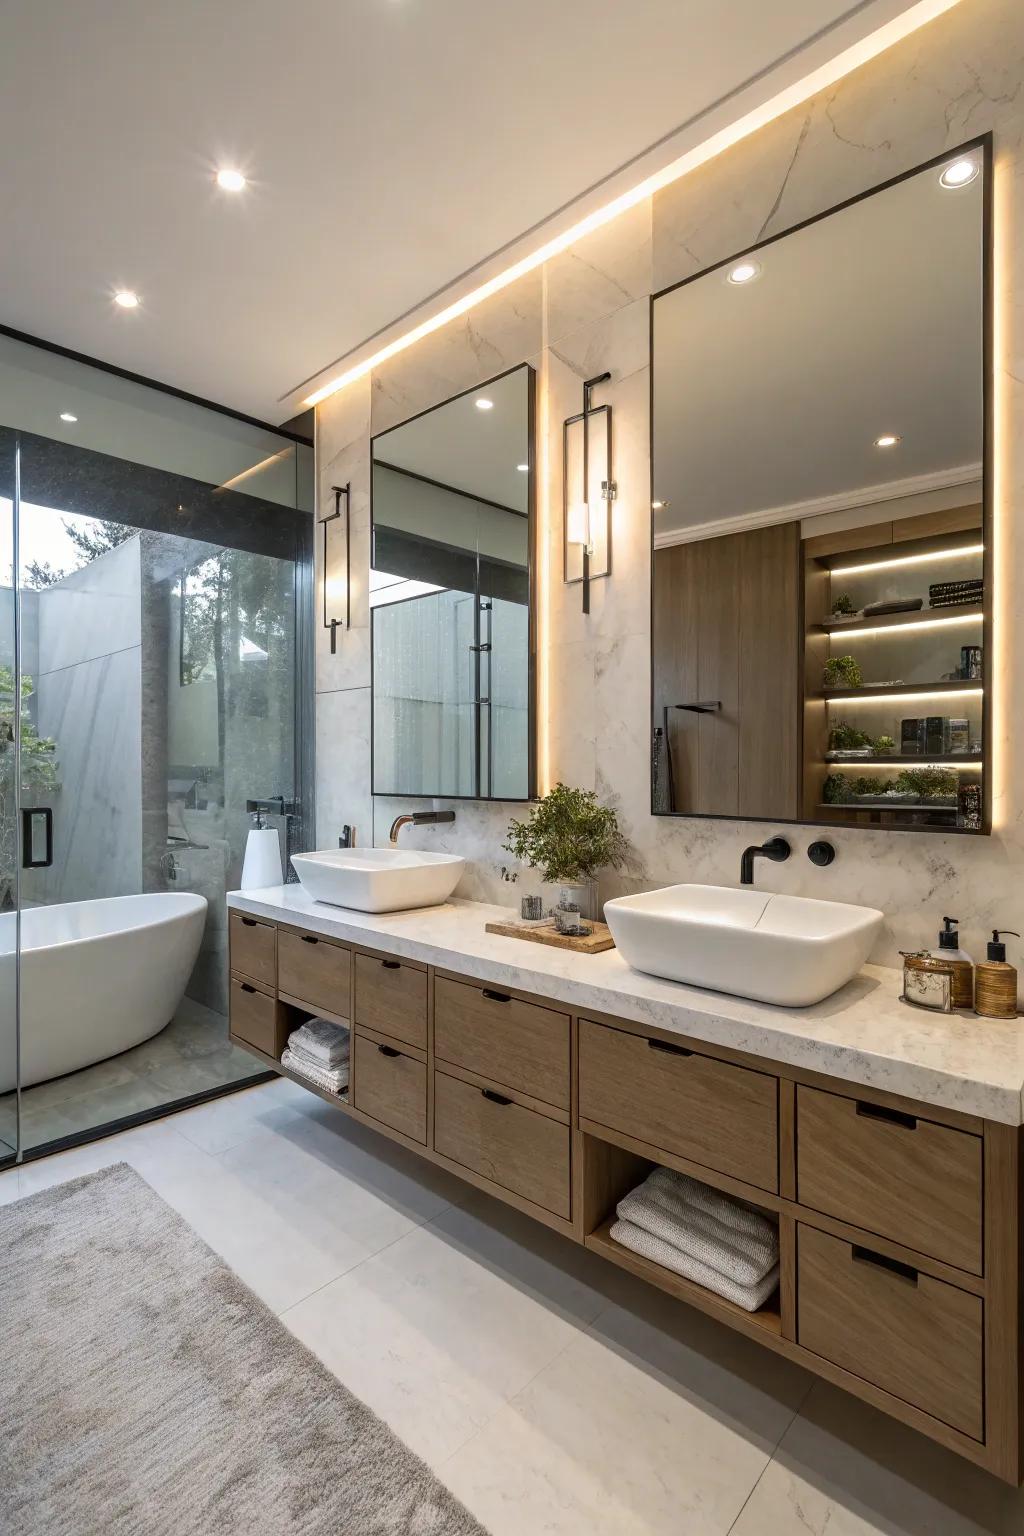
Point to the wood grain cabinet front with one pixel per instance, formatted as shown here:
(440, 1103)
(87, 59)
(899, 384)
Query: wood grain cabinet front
(256, 1017)
(502, 1037)
(518, 1148)
(314, 970)
(390, 1086)
(710, 1112)
(253, 947)
(914, 1336)
(893, 1173)
(392, 997)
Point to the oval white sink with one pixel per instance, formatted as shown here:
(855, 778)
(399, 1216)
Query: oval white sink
(775, 949)
(378, 879)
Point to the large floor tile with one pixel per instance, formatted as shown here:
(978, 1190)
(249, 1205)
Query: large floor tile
(10, 1185)
(658, 1424)
(844, 1469)
(224, 1122)
(439, 1330)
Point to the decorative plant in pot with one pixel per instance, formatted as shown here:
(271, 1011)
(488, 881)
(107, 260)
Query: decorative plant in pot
(569, 837)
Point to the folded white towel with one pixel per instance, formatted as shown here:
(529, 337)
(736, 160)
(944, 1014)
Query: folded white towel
(705, 1225)
(749, 1297)
(321, 1040)
(338, 1059)
(334, 1082)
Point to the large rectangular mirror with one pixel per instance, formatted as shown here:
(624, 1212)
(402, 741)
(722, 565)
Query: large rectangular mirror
(451, 595)
(820, 486)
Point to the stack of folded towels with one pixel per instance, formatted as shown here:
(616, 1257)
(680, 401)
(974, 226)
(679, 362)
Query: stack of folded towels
(319, 1050)
(703, 1235)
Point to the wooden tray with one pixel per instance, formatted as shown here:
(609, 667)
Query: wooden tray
(585, 944)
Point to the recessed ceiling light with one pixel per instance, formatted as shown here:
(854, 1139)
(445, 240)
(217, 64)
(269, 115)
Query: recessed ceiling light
(745, 272)
(230, 181)
(658, 506)
(126, 298)
(524, 469)
(67, 416)
(484, 405)
(959, 173)
(887, 440)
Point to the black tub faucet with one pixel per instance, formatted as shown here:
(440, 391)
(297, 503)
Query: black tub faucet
(776, 849)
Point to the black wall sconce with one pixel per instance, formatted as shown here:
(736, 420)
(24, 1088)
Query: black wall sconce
(335, 516)
(587, 466)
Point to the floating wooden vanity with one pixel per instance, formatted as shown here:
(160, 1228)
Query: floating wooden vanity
(899, 1220)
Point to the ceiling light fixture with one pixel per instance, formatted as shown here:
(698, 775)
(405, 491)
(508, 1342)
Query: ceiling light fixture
(888, 440)
(230, 181)
(67, 416)
(745, 272)
(817, 80)
(658, 506)
(524, 469)
(126, 299)
(960, 174)
(483, 404)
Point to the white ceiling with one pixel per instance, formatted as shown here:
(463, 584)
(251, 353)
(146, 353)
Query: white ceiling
(771, 395)
(391, 145)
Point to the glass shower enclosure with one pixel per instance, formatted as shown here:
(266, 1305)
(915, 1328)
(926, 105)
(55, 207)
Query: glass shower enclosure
(155, 588)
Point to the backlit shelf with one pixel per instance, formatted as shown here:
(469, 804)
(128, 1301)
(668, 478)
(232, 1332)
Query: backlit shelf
(874, 694)
(914, 620)
(941, 760)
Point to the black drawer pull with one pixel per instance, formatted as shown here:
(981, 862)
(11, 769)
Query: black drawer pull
(250, 922)
(497, 997)
(388, 1050)
(891, 1116)
(881, 1261)
(310, 938)
(495, 1098)
(246, 987)
(391, 965)
(669, 1048)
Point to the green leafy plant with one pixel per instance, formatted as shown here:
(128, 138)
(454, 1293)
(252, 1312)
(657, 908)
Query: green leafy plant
(38, 770)
(842, 672)
(884, 746)
(844, 737)
(843, 604)
(568, 837)
(929, 783)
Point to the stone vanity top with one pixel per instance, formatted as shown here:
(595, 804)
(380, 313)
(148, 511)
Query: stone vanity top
(862, 1034)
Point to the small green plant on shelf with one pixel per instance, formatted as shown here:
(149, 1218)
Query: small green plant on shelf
(845, 737)
(929, 783)
(842, 672)
(883, 746)
(568, 837)
(843, 606)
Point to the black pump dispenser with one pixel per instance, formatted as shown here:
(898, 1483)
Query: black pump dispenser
(997, 949)
(949, 938)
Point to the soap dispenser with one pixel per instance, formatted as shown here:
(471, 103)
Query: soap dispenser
(995, 995)
(959, 962)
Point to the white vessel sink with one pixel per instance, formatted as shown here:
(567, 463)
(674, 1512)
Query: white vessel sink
(774, 949)
(378, 879)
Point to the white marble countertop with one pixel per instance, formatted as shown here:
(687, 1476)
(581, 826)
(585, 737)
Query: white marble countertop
(862, 1034)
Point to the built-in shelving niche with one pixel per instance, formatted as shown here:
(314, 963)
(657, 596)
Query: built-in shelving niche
(920, 664)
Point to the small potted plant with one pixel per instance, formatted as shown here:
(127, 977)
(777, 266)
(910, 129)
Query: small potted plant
(842, 672)
(884, 746)
(843, 607)
(569, 837)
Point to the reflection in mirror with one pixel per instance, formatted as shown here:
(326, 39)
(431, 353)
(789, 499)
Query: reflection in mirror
(820, 585)
(450, 595)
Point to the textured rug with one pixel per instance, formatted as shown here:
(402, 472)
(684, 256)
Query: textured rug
(145, 1389)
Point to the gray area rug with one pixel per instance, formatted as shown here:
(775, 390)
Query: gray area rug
(145, 1389)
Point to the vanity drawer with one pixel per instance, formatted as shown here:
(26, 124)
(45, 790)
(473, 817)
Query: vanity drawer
(390, 1086)
(315, 970)
(253, 947)
(911, 1335)
(520, 1045)
(516, 1147)
(905, 1178)
(256, 1017)
(392, 997)
(718, 1115)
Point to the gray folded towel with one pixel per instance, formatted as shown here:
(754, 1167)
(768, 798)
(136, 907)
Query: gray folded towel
(334, 1081)
(321, 1042)
(749, 1297)
(707, 1226)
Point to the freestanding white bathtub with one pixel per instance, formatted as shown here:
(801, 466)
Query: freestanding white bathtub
(96, 978)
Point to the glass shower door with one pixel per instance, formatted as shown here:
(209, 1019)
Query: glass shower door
(9, 749)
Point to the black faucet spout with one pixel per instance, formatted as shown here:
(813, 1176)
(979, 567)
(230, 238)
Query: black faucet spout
(776, 849)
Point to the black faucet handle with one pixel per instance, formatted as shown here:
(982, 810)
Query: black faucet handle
(777, 849)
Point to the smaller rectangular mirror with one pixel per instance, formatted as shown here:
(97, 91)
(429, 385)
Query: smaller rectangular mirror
(451, 597)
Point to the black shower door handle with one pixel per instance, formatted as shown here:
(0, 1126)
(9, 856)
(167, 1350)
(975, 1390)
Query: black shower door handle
(29, 830)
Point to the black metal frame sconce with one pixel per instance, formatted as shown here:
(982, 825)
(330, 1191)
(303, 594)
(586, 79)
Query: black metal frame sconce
(580, 528)
(346, 622)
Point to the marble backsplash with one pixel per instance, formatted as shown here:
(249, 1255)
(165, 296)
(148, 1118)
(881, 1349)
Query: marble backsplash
(587, 310)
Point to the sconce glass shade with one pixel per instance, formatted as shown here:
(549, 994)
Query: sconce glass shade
(577, 525)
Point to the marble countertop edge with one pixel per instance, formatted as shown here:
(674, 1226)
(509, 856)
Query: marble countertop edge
(862, 1035)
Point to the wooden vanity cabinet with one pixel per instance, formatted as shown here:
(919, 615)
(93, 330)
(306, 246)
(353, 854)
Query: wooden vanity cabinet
(899, 1223)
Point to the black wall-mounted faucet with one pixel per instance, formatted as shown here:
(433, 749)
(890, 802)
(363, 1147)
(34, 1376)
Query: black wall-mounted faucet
(776, 849)
(418, 819)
